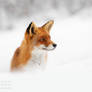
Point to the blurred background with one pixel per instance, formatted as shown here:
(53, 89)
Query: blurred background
(72, 31)
(16, 10)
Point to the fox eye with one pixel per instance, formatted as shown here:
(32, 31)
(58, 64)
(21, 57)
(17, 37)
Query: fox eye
(42, 39)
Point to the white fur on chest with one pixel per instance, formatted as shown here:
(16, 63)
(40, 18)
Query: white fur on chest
(37, 60)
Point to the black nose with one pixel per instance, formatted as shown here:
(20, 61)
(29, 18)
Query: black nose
(54, 45)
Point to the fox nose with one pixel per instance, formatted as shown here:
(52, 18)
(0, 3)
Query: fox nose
(54, 45)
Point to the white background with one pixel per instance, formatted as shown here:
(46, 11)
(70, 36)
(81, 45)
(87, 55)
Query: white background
(69, 66)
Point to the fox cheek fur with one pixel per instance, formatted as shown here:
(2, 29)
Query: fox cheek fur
(36, 40)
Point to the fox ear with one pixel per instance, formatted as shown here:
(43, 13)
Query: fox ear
(31, 28)
(48, 25)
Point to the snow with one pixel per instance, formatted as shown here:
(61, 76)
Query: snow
(66, 65)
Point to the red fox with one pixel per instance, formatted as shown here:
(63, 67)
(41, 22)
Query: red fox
(34, 47)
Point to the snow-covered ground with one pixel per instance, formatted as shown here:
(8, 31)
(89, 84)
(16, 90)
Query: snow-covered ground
(73, 54)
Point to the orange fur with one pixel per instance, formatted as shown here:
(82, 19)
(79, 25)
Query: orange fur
(24, 52)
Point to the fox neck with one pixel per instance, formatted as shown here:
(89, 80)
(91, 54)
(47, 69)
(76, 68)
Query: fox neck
(37, 60)
(31, 51)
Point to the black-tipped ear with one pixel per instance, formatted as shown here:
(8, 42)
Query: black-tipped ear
(28, 28)
(31, 28)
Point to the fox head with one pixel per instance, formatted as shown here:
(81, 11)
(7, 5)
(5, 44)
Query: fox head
(39, 37)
